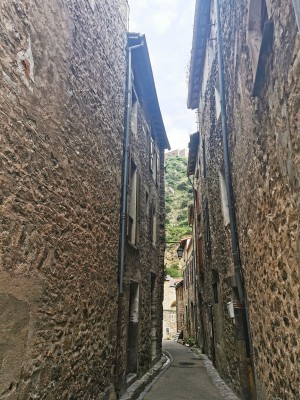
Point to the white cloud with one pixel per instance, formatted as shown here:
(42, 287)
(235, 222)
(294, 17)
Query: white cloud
(162, 21)
(179, 129)
(168, 25)
(159, 14)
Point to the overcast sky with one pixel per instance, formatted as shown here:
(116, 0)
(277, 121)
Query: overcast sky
(168, 26)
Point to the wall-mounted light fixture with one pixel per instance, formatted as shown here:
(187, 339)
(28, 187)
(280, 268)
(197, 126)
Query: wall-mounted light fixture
(180, 252)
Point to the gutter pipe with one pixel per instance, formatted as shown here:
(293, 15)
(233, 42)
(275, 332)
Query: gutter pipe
(232, 215)
(125, 167)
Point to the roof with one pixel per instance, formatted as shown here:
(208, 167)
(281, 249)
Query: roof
(179, 284)
(193, 151)
(200, 34)
(184, 240)
(145, 86)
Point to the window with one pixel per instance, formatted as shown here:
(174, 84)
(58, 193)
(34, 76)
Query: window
(198, 212)
(151, 154)
(297, 11)
(200, 255)
(258, 15)
(224, 197)
(211, 51)
(147, 205)
(215, 281)
(192, 272)
(212, 37)
(172, 318)
(191, 214)
(154, 161)
(217, 98)
(134, 112)
(132, 204)
(153, 226)
(157, 168)
(207, 229)
(260, 37)
(204, 158)
(215, 292)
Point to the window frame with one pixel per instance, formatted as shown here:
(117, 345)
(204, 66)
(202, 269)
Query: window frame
(133, 204)
(134, 112)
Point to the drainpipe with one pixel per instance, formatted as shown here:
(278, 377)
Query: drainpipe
(232, 215)
(125, 167)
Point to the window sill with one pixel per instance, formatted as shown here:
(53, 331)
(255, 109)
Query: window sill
(132, 246)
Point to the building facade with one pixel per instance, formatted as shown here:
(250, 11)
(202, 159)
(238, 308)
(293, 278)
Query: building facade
(140, 302)
(169, 308)
(63, 328)
(186, 301)
(244, 82)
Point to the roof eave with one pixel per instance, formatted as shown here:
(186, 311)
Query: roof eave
(143, 63)
(200, 33)
(193, 150)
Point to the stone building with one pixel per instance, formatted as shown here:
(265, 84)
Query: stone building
(140, 305)
(64, 311)
(185, 292)
(244, 82)
(180, 318)
(169, 308)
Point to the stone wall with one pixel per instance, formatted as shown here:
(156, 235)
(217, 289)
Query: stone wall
(264, 149)
(179, 307)
(144, 260)
(266, 167)
(62, 73)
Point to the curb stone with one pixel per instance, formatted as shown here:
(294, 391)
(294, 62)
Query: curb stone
(213, 374)
(141, 387)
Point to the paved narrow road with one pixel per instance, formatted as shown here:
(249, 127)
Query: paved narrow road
(185, 379)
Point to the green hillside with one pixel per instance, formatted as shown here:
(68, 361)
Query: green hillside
(179, 195)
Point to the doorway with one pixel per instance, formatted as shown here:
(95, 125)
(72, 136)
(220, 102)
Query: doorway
(153, 318)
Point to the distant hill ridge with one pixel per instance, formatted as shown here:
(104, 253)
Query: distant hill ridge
(177, 153)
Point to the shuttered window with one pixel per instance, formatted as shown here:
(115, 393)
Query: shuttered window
(133, 204)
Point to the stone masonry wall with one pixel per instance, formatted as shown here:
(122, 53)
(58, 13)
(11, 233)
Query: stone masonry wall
(264, 144)
(144, 259)
(62, 73)
(179, 307)
(266, 168)
(220, 341)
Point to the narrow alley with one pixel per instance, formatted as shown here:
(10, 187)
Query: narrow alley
(149, 199)
(187, 378)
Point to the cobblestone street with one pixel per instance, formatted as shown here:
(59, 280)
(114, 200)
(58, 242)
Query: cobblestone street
(189, 377)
